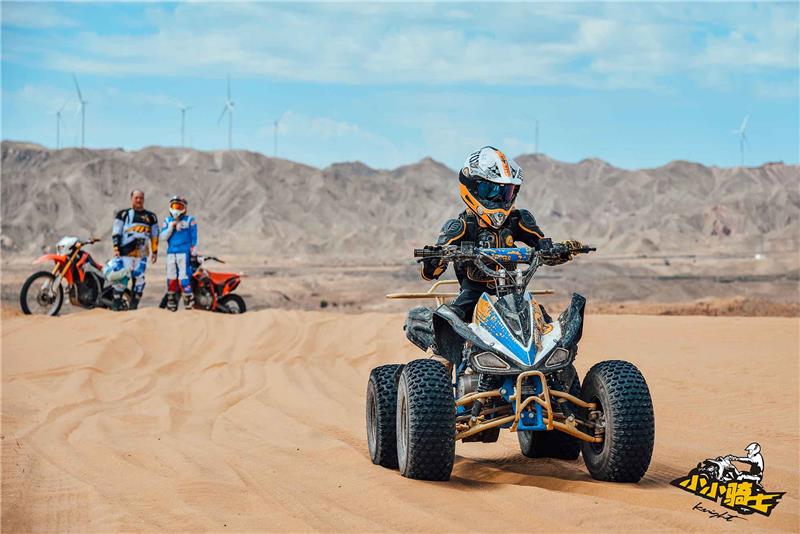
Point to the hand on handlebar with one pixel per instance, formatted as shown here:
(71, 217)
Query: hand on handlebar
(558, 253)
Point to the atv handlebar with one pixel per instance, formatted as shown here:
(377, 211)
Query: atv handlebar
(516, 255)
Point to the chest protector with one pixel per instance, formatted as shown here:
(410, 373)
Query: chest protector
(484, 238)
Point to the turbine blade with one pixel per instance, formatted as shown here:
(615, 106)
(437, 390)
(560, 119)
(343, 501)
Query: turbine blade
(229, 87)
(744, 123)
(77, 87)
(221, 115)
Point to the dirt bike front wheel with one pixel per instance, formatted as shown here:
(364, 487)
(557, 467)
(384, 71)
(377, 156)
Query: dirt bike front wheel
(39, 296)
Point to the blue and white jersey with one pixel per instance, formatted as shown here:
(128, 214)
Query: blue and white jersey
(183, 237)
(133, 231)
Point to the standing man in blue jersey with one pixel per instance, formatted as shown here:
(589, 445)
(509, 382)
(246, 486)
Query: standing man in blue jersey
(135, 230)
(180, 232)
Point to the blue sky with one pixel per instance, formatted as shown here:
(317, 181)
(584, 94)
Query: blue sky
(636, 84)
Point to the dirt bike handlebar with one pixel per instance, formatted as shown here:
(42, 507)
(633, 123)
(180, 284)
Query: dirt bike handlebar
(212, 258)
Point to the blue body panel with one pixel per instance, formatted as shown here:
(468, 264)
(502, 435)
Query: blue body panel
(515, 254)
(488, 318)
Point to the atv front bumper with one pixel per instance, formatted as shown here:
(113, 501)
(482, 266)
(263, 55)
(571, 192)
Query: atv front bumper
(532, 412)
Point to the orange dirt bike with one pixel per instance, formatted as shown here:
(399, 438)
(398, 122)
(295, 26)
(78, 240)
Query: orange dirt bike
(213, 291)
(74, 270)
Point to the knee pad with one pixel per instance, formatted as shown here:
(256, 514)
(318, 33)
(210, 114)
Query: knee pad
(186, 284)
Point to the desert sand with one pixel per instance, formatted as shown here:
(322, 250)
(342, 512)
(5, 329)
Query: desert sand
(150, 421)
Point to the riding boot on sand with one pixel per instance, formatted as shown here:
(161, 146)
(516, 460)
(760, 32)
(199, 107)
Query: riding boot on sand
(172, 301)
(188, 301)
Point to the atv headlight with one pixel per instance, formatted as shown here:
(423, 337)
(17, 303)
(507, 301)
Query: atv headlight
(486, 361)
(557, 358)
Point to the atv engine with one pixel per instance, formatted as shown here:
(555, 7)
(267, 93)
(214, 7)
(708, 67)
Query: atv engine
(467, 384)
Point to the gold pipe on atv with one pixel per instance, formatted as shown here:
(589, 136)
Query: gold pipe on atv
(472, 397)
(574, 400)
(543, 399)
(484, 426)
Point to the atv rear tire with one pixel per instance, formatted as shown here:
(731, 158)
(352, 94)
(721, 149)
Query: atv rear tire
(624, 398)
(553, 443)
(426, 421)
(381, 415)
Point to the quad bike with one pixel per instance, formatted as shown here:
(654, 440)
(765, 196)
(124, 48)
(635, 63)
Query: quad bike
(511, 367)
(43, 291)
(213, 291)
(724, 471)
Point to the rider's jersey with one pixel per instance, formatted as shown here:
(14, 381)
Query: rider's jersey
(133, 230)
(182, 237)
(520, 226)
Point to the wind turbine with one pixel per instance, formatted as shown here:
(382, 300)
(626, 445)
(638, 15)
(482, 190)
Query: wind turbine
(81, 108)
(275, 134)
(184, 109)
(228, 108)
(742, 133)
(58, 124)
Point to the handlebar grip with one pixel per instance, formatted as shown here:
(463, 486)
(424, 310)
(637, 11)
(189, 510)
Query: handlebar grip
(427, 253)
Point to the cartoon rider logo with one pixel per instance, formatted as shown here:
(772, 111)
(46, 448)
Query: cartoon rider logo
(718, 479)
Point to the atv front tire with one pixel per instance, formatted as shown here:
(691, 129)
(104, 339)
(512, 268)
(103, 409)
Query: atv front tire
(627, 410)
(426, 424)
(381, 414)
(553, 443)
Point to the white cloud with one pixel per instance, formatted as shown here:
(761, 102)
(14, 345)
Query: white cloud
(614, 45)
(33, 15)
(325, 139)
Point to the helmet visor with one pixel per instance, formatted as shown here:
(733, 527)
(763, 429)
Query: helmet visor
(493, 195)
(178, 206)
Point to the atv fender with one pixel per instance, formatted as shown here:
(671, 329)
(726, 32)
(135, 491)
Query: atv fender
(419, 328)
(571, 321)
(450, 332)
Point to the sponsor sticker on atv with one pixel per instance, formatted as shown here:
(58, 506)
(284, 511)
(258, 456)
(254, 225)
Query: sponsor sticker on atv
(720, 480)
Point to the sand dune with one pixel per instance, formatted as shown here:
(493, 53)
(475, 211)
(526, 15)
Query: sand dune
(150, 421)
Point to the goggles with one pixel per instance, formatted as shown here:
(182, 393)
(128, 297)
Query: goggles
(493, 192)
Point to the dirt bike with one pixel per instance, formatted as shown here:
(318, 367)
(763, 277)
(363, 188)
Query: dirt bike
(510, 367)
(213, 291)
(43, 291)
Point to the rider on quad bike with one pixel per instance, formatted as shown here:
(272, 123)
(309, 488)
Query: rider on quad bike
(489, 183)
(496, 359)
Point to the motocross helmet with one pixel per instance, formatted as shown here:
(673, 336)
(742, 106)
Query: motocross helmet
(753, 449)
(177, 206)
(116, 271)
(489, 185)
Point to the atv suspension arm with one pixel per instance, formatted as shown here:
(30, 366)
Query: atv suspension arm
(543, 399)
